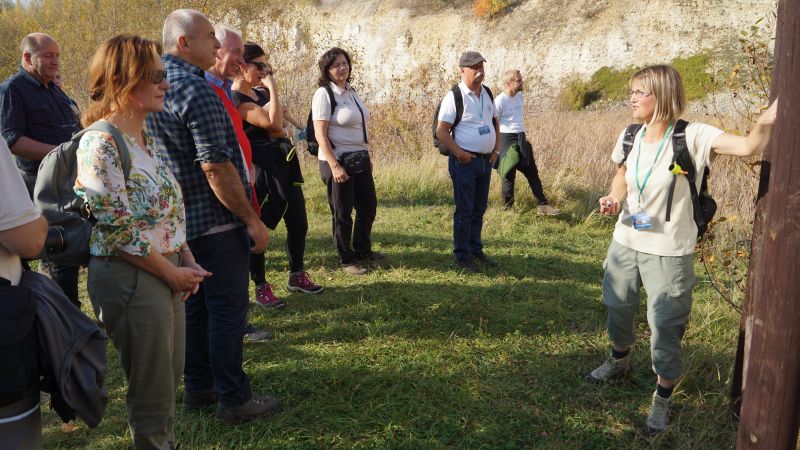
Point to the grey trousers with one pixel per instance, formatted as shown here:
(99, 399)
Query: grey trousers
(668, 281)
(147, 325)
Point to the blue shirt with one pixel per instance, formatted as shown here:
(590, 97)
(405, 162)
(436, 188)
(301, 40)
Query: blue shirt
(37, 111)
(225, 85)
(193, 129)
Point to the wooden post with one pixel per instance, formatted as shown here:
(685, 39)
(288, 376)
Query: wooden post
(771, 396)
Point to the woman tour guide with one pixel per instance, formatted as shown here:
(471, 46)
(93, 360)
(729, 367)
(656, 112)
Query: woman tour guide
(646, 249)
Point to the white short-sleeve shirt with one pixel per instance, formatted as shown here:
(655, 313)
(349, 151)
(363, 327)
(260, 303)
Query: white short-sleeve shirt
(478, 112)
(16, 209)
(345, 130)
(510, 111)
(677, 237)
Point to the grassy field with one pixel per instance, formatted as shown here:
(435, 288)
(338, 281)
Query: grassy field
(419, 355)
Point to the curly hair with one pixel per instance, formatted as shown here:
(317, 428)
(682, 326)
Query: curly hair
(326, 61)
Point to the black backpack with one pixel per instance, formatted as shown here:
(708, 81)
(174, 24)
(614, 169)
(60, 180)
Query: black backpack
(704, 207)
(311, 138)
(55, 197)
(459, 100)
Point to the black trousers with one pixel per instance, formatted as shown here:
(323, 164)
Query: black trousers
(526, 166)
(296, 221)
(351, 238)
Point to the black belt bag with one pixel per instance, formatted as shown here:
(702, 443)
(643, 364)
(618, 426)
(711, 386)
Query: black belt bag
(355, 162)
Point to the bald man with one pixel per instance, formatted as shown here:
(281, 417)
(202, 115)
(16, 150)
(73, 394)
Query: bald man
(35, 116)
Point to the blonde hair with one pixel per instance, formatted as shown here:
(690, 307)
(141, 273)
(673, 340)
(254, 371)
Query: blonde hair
(509, 75)
(116, 67)
(664, 82)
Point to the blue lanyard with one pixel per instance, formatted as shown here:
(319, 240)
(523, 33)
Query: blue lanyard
(647, 177)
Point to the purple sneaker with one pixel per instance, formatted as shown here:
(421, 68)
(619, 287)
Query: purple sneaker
(266, 299)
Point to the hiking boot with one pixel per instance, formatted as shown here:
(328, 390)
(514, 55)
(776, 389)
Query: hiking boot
(485, 260)
(257, 406)
(468, 265)
(266, 299)
(197, 401)
(547, 209)
(371, 257)
(353, 269)
(658, 418)
(299, 281)
(253, 334)
(610, 369)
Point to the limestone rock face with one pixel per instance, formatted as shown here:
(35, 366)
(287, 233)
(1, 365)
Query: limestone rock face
(414, 45)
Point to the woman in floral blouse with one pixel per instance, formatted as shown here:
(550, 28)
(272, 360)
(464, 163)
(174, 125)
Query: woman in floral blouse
(141, 269)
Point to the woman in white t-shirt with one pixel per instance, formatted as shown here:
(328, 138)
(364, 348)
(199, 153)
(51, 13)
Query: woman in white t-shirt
(344, 161)
(22, 233)
(647, 249)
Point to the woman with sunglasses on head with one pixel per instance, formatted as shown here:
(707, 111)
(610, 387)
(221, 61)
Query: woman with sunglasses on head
(656, 232)
(141, 269)
(279, 182)
(344, 161)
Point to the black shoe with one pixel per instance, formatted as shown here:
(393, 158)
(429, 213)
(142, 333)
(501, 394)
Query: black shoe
(370, 257)
(485, 260)
(253, 334)
(468, 265)
(258, 406)
(197, 401)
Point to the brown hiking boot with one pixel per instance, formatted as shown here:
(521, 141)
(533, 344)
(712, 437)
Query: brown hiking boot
(196, 401)
(257, 406)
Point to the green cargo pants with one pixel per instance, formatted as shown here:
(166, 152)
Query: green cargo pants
(668, 281)
(147, 325)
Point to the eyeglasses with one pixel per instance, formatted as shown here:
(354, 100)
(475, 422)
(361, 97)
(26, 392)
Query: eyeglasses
(156, 76)
(262, 67)
(639, 94)
(340, 65)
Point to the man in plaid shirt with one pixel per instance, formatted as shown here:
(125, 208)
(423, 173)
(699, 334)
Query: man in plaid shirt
(196, 134)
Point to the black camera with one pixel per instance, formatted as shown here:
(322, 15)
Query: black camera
(54, 243)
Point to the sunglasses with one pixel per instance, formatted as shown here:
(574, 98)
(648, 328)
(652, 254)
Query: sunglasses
(262, 67)
(157, 76)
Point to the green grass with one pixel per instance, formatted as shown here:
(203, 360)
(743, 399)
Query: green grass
(418, 355)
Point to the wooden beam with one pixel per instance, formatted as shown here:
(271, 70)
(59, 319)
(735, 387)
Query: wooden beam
(771, 395)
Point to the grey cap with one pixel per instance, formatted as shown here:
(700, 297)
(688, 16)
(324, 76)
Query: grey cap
(469, 59)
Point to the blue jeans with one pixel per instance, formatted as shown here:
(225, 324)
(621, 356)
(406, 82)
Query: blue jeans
(216, 317)
(471, 193)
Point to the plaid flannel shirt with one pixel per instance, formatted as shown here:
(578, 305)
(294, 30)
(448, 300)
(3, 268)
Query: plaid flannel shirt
(42, 113)
(193, 129)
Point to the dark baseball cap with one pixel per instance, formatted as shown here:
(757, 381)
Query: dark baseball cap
(469, 59)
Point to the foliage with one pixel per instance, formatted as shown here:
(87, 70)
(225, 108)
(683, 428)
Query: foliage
(490, 8)
(745, 89)
(608, 83)
(576, 93)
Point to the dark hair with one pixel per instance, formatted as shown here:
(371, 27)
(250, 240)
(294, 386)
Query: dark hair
(326, 61)
(252, 51)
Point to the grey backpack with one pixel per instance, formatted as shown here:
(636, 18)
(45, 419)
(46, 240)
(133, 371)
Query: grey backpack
(54, 194)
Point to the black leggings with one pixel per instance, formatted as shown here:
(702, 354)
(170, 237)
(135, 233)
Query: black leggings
(296, 222)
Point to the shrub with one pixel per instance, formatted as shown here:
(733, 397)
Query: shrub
(577, 93)
(694, 72)
(490, 7)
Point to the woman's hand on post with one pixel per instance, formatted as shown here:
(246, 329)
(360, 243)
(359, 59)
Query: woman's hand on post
(609, 205)
(768, 117)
